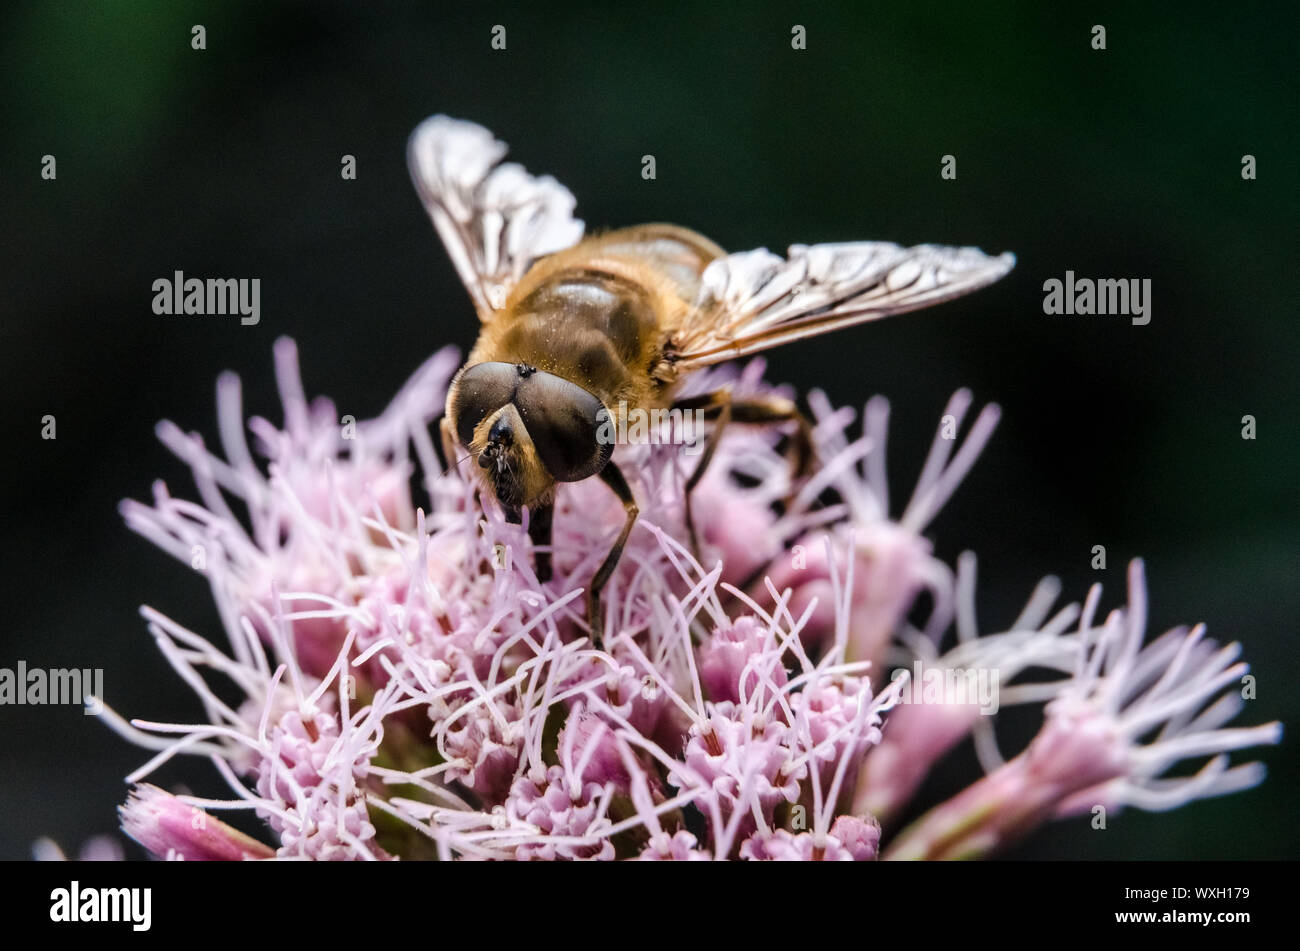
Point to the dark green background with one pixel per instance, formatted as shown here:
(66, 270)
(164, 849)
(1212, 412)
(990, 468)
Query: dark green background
(1122, 163)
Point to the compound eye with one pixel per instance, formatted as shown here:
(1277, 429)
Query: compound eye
(481, 390)
(564, 422)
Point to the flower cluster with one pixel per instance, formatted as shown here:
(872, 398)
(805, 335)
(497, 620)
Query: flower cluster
(410, 689)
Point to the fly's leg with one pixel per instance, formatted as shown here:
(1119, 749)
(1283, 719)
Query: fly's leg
(720, 407)
(613, 478)
(539, 530)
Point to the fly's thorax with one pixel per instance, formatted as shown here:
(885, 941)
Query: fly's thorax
(598, 326)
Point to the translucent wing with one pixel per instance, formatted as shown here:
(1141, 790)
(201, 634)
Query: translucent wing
(494, 219)
(754, 300)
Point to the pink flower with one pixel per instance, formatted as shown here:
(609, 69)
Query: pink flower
(567, 814)
(736, 659)
(782, 846)
(398, 683)
(928, 723)
(859, 837)
(170, 828)
(590, 749)
(1091, 751)
(743, 758)
(679, 847)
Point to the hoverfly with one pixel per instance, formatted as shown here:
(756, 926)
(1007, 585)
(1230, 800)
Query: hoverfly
(575, 330)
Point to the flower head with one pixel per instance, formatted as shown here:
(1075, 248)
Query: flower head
(1091, 751)
(170, 828)
(410, 688)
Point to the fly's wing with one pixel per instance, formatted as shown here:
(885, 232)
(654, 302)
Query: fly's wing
(754, 300)
(677, 254)
(494, 219)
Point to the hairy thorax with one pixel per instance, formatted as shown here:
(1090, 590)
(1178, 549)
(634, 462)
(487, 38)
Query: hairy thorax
(598, 329)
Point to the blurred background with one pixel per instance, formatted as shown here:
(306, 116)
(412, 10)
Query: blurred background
(226, 162)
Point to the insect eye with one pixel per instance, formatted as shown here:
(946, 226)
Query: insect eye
(564, 422)
(481, 390)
